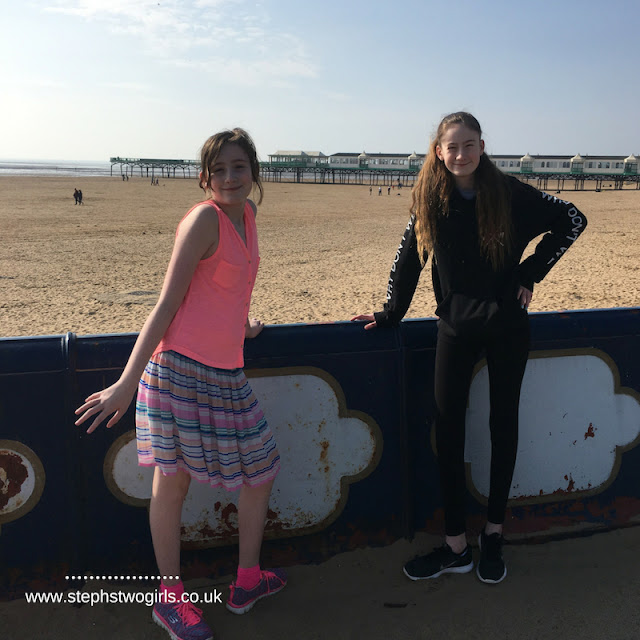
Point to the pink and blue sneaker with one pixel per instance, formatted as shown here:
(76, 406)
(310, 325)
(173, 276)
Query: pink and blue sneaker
(182, 621)
(241, 600)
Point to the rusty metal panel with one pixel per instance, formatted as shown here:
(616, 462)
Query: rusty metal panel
(578, 461)
(575, 422)
(325, 393)
(324, 449)
(36, 465)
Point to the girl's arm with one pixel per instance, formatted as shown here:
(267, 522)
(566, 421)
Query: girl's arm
(403, 280)
(253, 326)
(197, 235)
(559, 220)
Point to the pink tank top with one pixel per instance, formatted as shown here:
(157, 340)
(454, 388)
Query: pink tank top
(209, 326)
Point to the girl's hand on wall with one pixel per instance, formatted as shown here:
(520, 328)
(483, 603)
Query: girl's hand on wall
(369, 317)
(253, 328)
(112, 400)
(524, 296)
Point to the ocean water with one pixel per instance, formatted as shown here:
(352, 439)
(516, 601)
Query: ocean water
(56, 168)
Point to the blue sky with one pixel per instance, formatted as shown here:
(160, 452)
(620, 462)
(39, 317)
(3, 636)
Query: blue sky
(90, 79)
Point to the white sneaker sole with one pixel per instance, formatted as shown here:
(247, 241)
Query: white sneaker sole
(158, 620)
(465, 569)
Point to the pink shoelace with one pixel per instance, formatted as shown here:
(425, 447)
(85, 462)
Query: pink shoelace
(190, 614)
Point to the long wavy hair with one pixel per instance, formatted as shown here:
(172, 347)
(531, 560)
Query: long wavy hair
(211, 151)
(434, 187)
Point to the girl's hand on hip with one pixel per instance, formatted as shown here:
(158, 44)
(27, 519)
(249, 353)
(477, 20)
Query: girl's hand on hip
(368, 317)
(112, 400)
(524, 297)
(253, 328)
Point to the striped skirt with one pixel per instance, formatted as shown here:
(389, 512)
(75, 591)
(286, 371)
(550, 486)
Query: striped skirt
(205, 421)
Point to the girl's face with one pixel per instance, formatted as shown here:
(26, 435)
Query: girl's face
(460, 149)
(230, 178)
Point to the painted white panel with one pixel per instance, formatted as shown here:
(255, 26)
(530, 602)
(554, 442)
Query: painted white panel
(317, 447)
(571, 421)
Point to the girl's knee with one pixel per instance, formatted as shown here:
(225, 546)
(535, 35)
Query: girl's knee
(260, 489)
(175, 486)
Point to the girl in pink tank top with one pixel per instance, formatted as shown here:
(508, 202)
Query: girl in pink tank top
(193, 340)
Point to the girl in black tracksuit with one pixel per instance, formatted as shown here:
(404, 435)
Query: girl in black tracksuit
(477, 223)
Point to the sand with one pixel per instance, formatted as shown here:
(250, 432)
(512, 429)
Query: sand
(326, 253)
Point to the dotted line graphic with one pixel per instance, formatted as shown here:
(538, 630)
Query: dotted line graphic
(165, 578)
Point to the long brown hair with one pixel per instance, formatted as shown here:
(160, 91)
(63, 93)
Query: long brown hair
(211, 151)
(435, 185)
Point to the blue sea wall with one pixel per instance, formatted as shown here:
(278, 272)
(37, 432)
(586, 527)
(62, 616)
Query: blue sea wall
(352, 411)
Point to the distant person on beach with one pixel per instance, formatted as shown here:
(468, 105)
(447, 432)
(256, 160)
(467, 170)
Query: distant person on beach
(370, 190)
(196, 415)
(379, 191)
(75, 196)
(388, 191)
(79, 196)
(477, 222)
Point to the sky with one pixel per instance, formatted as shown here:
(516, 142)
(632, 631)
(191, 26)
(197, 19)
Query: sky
(86, 80)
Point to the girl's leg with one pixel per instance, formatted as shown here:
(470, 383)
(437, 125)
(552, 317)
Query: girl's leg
(168, 494)
(252, 514)
(455, 359)
(252, 584)
(454, 364)
(506, 360)
(179, 619)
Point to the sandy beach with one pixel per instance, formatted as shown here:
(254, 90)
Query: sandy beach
(325, 252)
(325, 255)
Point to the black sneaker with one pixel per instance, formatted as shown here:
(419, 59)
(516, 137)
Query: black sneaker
(491, 568)
(439, 561)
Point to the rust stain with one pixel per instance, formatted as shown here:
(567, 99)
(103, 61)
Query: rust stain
(199, 530)
(323, 423)
(297, 520)
(225, 516)
(542, 518)
(13, 473)
(590, 432)
(570, 487)
(324, 445)
(202, 529)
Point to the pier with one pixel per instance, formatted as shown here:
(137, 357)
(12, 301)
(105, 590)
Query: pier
(155, 167)
(365, 175)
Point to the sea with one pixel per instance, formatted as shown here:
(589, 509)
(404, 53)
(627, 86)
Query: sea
(56, 168)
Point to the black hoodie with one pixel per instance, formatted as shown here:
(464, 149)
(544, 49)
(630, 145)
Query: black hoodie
(464, 282)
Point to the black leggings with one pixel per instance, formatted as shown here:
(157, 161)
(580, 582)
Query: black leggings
(507, 347)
